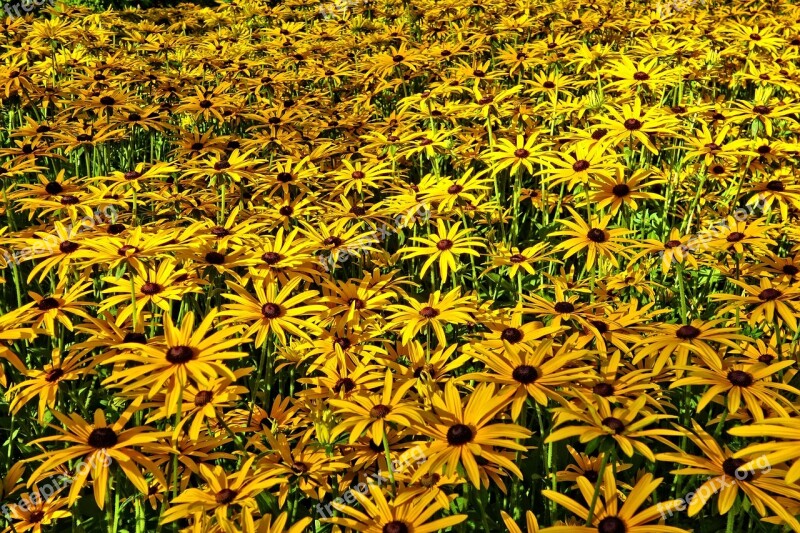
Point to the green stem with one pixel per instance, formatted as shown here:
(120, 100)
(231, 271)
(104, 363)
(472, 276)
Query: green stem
(597, 485)
(387, 452)
(682, 292)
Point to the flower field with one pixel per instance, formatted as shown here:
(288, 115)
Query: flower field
(394, 266)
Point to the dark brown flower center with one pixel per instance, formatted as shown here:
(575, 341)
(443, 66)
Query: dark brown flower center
(521, 153)
(776, 186)
(332, 241)
(357, 303)
(102, 438)
(342, 342)
(687, 332)
(614, 424)
(178, 355)
(271, 258)
(203, 397)
(53, 375)
(107, 100)
(429, 312)
(151, 288)
(580, 165)
(761, 110)
(271, 310)
(132, 175)
(525, 374)
(459, 434)
(430, 480)
(225, 496)
(299, 468)
(380, 411)
(444, 244)
(54, 187)
(345, 384)
(215, 258)
(731, 468)
(548, 85)
(769, 294)
(395, 526)
(219, 231)
(765, 358)
(69, 200)
(205, 104)
(603, 389)
(672, 244)
(512, 335)
(599, 133)
(621, 190)
(67, 247)
(735, 236)
(132, 336)
(358, 175)
(740, 378)
(632, 124)
(36, 516)
(286, 211)
(611, 524)
(596, 235)
(455, 189)
(563, 307)
(790, 270)
(517, 258)
(46, 304)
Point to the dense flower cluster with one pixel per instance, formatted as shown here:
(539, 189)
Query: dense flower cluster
(401, 267)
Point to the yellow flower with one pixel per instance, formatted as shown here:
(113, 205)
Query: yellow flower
(99, 445)
(445, 246)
